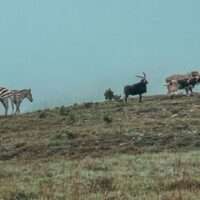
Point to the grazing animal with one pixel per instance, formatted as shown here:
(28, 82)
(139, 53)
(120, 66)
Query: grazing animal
(178, 82)
(109, 94)
(5, 94)
(17, 98)
(117, 97)
(137, 88)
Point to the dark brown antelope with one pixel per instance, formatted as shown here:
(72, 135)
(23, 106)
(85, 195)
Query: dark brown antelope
(137, 88)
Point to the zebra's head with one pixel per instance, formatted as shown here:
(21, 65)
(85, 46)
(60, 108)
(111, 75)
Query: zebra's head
(29, 95)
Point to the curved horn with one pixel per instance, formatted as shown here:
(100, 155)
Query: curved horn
(144, 74)
(139, 76)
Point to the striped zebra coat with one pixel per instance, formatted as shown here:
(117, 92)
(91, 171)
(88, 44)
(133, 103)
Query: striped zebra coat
(5, 94)
(17, 98)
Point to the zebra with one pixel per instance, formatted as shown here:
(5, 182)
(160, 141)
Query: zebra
(17, 98)
(5, 94)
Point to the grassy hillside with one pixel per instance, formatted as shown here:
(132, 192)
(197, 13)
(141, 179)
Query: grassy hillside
(107, 150)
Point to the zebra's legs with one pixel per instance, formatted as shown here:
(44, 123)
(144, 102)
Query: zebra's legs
(18, 107)
(5, 104)
(189, 91)
(13, 105)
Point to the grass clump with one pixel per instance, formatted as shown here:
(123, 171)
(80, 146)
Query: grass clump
(63, 111)
(72, 118)
(21, 196)
(61, 138)
(88, 105)
(43, 115)
(108, 119)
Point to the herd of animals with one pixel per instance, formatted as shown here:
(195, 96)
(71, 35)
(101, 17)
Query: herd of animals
(173, 83)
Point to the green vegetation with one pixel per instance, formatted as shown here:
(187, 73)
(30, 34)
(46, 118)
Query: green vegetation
(147, 176)
(144, 151)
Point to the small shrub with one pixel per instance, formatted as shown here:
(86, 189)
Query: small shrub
(107, 119)
(21, 196)
(61, 138)
(42, 115)
(89, 163)
(72, 118)
(101, 184)
(63, 111)
(88, 104)
(70, 135)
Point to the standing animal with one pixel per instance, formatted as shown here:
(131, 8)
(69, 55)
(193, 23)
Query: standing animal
(178, 82)
(137, 88)
(117, 97)
(17, 98)
(109, 94)
(5, 94)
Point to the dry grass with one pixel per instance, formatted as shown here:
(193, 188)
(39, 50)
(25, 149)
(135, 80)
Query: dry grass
(147, 176)
(147, 151)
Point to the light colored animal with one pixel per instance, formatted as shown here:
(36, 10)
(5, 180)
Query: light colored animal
(17, 98)
(178, 82)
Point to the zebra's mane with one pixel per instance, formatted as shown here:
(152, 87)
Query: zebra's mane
(24, 90)
(20, 91)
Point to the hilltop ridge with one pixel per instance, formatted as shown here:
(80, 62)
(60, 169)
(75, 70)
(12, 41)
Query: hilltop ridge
(100, 129)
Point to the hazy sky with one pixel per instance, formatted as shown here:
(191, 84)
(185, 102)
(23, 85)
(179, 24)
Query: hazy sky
(72, 50)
